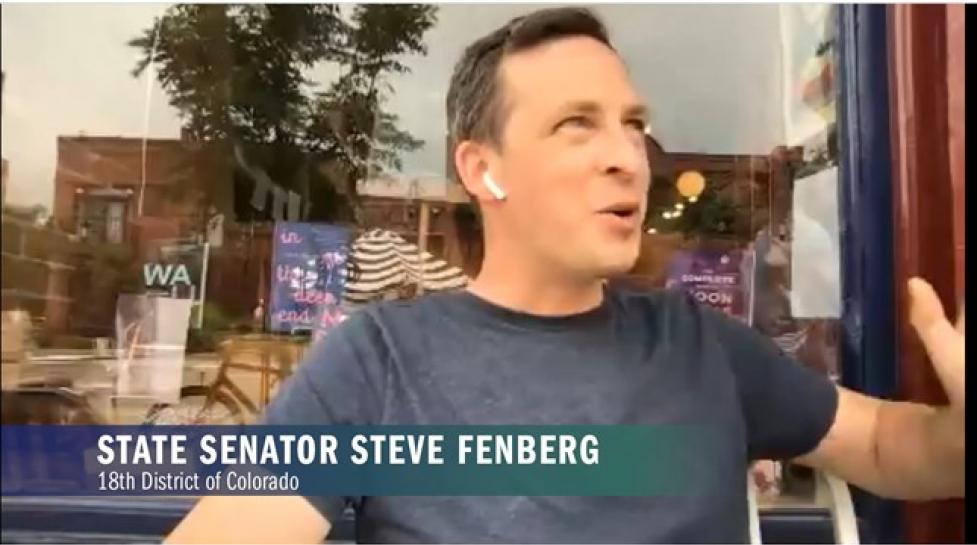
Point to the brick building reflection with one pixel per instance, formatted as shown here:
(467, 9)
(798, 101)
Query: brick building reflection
(116, 198)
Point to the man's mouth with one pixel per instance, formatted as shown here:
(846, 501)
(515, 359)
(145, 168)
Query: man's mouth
(624, 214)
(621, 210)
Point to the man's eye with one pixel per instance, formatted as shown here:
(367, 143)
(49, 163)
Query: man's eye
(575, 122)
(638, 125)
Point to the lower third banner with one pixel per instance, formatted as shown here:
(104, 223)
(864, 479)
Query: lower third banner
(352, 460)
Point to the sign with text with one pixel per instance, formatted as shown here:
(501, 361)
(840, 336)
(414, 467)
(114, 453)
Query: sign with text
(307, 276)
(721, 279)
(179, 269)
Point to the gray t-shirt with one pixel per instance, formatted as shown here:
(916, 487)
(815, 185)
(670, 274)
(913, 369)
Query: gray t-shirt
(639, 358)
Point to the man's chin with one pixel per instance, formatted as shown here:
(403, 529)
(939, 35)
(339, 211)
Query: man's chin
(603, 261)
(618, 265)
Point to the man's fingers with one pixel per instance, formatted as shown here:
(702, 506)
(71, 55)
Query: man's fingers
(925, 307)
(943, 342)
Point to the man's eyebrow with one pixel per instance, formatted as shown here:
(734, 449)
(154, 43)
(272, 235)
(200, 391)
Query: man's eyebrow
(589, 106)
(580, 106)
(638, 110)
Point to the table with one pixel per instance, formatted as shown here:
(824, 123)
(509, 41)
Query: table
(93, 376)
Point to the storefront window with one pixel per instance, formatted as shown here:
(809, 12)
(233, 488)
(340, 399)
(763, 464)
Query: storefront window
(194, 193)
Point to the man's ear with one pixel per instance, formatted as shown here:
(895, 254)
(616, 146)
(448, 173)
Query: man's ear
(471, 163)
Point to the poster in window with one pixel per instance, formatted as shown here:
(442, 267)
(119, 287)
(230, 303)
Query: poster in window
(721, 279)
(178, 268)
(808, 55)
(307, 277)
(815, 264)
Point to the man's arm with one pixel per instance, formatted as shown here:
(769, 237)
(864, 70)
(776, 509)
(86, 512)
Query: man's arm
(904, 450)
(251, 519)
(895, 450)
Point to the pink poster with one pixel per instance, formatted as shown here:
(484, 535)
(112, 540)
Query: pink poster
(720, 279)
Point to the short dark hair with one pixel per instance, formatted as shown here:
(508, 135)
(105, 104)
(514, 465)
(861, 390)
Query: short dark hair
(474, 102)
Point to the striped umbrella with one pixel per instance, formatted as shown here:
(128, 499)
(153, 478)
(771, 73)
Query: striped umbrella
(790, 342)
(383, 260)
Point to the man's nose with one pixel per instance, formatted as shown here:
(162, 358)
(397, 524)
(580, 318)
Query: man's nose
(624, 155)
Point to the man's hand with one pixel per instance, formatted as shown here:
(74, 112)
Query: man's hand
(905, 450)
(251, 519)
(943, 342)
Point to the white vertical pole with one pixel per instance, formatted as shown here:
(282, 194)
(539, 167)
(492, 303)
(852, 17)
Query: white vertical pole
(422, 242)
(203, 285)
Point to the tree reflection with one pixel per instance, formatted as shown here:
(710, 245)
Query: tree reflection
(237, 76)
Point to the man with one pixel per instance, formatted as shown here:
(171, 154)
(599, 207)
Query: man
(548, 136)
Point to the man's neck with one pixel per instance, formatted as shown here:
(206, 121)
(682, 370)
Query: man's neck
(534, 291)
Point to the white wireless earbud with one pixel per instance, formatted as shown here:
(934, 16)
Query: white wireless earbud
(493, 187)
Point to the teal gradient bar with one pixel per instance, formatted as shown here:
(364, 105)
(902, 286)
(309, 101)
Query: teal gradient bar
(625, 461)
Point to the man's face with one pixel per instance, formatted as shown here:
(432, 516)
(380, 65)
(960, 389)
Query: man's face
(572, 158)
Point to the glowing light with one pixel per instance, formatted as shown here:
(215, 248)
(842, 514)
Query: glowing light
(690, 183)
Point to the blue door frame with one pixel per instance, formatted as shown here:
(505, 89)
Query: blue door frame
(868, 328)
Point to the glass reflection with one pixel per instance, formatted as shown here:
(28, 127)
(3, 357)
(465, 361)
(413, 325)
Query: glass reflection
(154, 157)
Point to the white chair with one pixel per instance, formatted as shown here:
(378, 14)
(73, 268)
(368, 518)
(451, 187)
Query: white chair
(151, 336)
(839, 502)
(831, 493)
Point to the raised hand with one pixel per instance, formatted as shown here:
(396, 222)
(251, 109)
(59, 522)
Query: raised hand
(944, 342)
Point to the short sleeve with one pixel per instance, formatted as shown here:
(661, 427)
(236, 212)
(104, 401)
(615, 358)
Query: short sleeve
(788, 407)
(340, 381)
